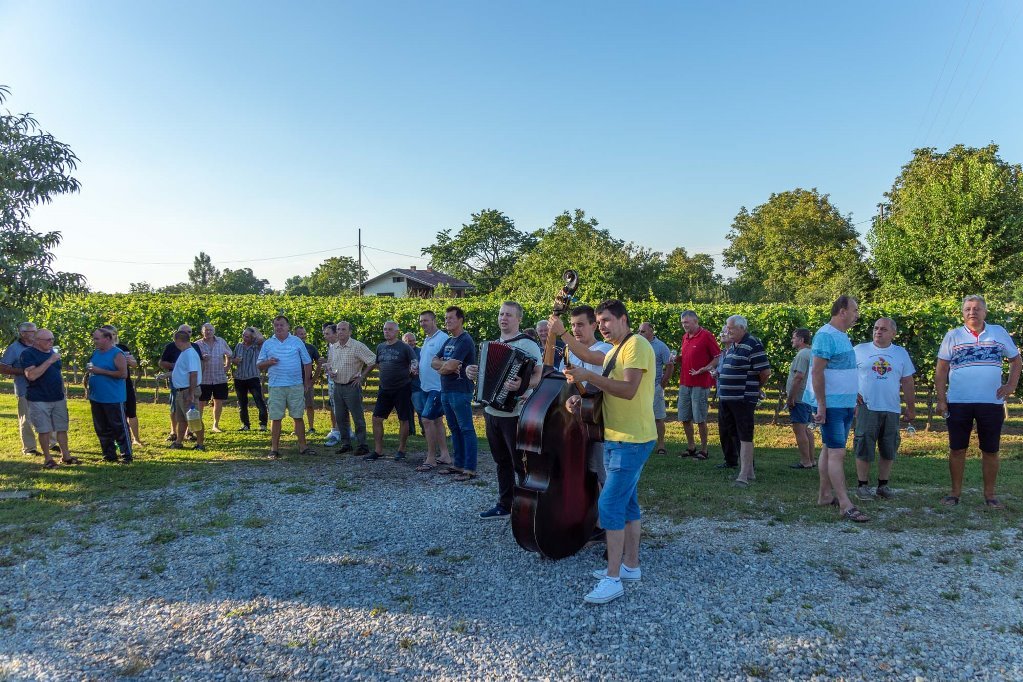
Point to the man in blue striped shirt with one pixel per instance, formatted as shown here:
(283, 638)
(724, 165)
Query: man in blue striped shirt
(744, 369)
(289, 372)
(832, 392)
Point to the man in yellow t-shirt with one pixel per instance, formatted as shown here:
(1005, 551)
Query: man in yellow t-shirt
(630, 433)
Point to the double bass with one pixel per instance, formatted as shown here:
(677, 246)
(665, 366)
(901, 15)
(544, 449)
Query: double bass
(554, 511)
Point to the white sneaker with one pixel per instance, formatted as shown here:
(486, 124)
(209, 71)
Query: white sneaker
(628, 575)
(608, 589)
(332, 439)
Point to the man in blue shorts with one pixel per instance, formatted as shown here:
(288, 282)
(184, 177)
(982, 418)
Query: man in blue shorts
(832, 393)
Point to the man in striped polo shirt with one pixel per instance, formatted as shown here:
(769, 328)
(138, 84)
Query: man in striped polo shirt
(968, 381)
(744, 369)
(834, 385)
(289, 372)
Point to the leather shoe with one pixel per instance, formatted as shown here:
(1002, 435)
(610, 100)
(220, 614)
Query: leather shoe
(726, 465)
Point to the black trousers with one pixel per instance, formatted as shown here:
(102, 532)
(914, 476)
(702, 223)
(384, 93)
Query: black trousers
(242, 388)
(112, 429)
(501, 437)
(728, 431)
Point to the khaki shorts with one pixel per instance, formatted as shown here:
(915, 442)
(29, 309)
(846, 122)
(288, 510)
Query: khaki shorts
(48, 417)
(179, 406)
(692, 404)
(660, 412)
(291, 398)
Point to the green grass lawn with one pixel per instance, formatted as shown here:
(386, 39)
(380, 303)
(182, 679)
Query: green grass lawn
(674, 487)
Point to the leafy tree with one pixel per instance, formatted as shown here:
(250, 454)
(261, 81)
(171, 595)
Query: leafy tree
(796, 247)
(202, 276)
(953, 225)
(607, 267)
(689, 278)
(483, 252)
(141, 288)
(296, 286)
(240, 281)
(34, 167)
(337, 276)
(179, 288)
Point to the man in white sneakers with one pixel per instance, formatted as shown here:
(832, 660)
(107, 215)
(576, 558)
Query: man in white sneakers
(884, 369)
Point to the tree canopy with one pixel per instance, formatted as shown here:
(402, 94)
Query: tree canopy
(607, 267)
(953, 225)
(337, 276)
(483, 252)
(795, 247)
(240, 281)
(34, 167)
(202, 275)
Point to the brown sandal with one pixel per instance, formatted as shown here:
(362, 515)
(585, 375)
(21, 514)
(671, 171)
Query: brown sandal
(465, 476)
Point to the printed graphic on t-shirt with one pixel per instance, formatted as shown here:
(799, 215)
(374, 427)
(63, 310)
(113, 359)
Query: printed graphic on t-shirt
(976, 354)
(881, 368)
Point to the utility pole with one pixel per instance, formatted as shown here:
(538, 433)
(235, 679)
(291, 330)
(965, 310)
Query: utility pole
(360, 261)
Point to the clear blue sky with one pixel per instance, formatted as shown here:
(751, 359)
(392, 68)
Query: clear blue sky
(253, 130)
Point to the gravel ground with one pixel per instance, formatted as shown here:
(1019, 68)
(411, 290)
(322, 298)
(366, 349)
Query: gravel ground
(355, 570)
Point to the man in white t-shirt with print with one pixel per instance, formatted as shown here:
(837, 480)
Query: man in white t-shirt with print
(884, 369)
(584, 350)
(503, 426)
(968, 383)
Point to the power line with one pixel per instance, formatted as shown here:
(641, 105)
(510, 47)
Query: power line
(223, 262)
(969, 79)
(944, 64)
(955, 71)
(395, 253)
(990, 68)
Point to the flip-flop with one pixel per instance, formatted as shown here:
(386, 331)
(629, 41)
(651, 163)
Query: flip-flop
(688, 453)
(71, 461)
(701, 455)
(661, 451)
(855, 515)
(464, 476)
(424, 467)
(994, 503)
(950, 500)
(449, 471)
(50, 464)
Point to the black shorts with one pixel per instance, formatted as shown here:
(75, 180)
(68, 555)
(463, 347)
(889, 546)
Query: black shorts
(207, 391)
(130, 410)
(397, 399)
(989, 418)
(741, 414)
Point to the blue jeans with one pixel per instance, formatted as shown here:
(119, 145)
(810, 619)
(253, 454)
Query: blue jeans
(835, 429)
(619, 499)
(458, 411)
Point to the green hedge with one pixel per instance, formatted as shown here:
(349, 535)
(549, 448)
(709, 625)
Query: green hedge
(147, 321)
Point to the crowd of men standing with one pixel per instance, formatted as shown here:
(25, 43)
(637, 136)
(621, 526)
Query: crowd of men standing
(833, 387)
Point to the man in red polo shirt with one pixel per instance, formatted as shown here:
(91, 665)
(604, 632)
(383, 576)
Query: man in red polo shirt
(698, 356)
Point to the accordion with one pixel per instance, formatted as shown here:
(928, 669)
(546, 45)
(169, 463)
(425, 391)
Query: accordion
(500, 362)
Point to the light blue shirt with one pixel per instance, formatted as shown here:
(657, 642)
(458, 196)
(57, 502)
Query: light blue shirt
(429, 378)
(291, 354)
(841, 379)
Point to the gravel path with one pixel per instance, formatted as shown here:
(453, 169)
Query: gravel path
(353, 570)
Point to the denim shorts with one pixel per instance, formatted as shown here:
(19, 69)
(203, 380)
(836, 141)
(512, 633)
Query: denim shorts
(801, 413)
(835, 429)
(619, 499)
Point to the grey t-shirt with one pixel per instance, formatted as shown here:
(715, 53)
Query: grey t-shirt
(800, 363)
(12, 358)
(395, 362)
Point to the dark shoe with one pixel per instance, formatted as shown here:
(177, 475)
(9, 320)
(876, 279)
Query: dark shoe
(244, 428)
(599, 535)
(994, 503)
(701, 455)
(361, 451)
(800, 465)
(311, 430)
(344, 449)
(190, 436)
(55, 447)
(200, 448)
(661, 451)
(371, 456)
(398, 456)
(950, 500)
(726, 465)
(33, 451)
(274, 455)
(884, 492)
(496, 512)
(176, 446)
(109, 458)
(308, 451)
(691, 452)
(127, 460)
(171, 438)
